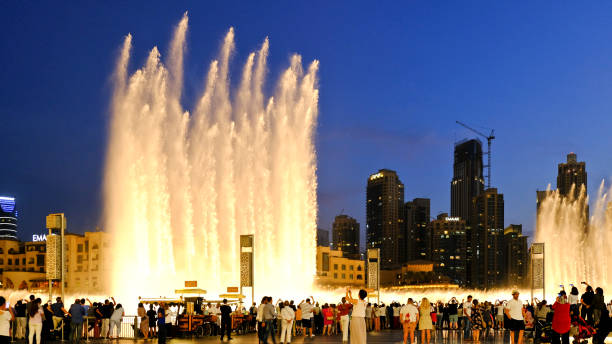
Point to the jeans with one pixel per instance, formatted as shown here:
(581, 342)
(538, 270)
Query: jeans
(161, 334)
(285, 336)
(344, 324)
(467, 326)
(269, 331)
(226, 328)
(113, 324)
(34, 329)
(105, 327)
(75, 332)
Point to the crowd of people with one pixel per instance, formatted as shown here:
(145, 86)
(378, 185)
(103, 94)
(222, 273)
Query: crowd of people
(570, 315)
(37, 322)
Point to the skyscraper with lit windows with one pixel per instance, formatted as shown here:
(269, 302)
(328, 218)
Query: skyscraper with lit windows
(8, 218)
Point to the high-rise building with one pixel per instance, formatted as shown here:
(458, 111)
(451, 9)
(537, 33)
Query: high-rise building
(515, 256)
(345, 236)
(449, 247)
(322, 237)
(572, 173)
(385, 218)
(8, 218)
(417, 229)
(467, 183)
(487, 237)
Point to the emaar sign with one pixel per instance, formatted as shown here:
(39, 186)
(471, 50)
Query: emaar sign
(39, 237)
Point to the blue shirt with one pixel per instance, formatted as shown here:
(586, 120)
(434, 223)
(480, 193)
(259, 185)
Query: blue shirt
(161, 320)
(77, 312)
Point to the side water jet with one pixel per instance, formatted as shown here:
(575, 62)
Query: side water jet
(181, 187)
(576, 246)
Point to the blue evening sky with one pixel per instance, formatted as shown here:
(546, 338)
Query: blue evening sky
(394, 78)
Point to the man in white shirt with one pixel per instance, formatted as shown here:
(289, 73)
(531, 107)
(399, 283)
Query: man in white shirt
(409, 316)
(467, 313)
(307, 316)
(515, 312)
(287, 316)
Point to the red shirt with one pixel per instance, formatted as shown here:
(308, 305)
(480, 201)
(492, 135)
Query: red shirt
(344, 309)
(561, 319)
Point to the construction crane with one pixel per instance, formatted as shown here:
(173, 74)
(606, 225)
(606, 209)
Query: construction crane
(489, 138)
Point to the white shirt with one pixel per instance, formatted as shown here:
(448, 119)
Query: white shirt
(5, 322)
(516, 309)
(467, 308)
(359, 309)
(396, 311)
(117, 314)
(573, 299)
(409, 310)
(37, 318)
(368, 312)
(306, 310)
(380, 312)
(260, 312)
(287, 313)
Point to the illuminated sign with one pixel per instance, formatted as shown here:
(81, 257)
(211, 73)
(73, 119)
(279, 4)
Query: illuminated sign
(39, 237)
(452, 219)
(376, 176)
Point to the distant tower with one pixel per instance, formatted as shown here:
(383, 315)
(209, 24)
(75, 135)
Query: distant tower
(417, 229)
(448, 247)
(8, 218)
(488, 240)
(467, 183)
(345, 236)
(571, 173)
(515, 256)
(384, 217)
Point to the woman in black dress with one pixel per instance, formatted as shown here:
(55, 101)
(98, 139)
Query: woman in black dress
(478, 322)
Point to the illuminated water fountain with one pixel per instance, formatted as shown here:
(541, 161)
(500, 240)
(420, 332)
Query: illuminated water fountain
(181, 186)
(574, 250)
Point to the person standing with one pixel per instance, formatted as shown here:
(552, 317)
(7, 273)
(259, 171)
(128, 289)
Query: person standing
(152, 316)
(115, 321)
(269, 314)
(561, 323)
(358, 326)
(467, 313)
(307, 316)
(453, 317)
(161, 324)
(107, 312)
(20, 315)
(287, 316)
(144, 321)
(6, 316)
(516, 314)
(477, 320)
(344, 309)
(77, 312)
(409, 316)
(226, 320)
(587, 302)
(425, 324)
(598, 305)
(35, 321)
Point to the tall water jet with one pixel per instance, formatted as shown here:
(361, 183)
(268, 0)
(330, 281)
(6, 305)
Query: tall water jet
(181, 187)
(575, 247)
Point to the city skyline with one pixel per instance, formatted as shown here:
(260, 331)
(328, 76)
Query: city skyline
(56, 114)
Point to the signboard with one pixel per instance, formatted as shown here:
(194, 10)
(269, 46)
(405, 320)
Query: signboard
(55, 221)
(54, 257)
(246, 260)
(373, 261)
(191, 284)
(39, 237)
(538, 273)
(233, 289)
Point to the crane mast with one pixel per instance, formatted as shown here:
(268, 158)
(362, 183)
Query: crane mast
(489, 138)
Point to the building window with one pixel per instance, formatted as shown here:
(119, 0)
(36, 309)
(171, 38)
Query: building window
(358, 268)
(80, 248)
(335, 275)
(325, 261)
(343, 276)
(17, 261)
(335, 266)
(1, 261)
(351, 267)
(343, 267)
(359, 277)
(40, 260)
(80, 259)
(86, 245)
(10, 261)
(351, 276)
(23, 261)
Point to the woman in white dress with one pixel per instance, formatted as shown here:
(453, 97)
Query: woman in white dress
(358, 324)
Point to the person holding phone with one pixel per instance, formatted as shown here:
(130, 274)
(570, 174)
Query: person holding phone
(561, 323)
